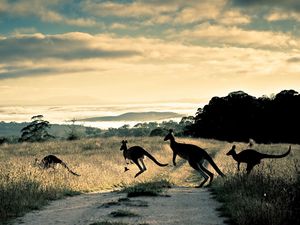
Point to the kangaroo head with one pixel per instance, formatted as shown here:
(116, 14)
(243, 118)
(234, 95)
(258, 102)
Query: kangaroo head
(39, 163)
(123, 146)
(169, 136)
(232, 151)
(36, 162)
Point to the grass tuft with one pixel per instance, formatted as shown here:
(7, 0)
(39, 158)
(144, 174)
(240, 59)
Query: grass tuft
(123, 213)
(152, 188)
(108, 223)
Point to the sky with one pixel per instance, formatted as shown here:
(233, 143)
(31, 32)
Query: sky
(64, 52)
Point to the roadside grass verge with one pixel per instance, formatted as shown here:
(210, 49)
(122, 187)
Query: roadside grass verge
(20, 192)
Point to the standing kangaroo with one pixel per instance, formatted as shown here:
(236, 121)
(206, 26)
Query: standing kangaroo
(50, 161)
(136, 154)
(251, 157)
(195, 156)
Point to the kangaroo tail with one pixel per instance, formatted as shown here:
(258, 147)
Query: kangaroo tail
(65, 165)
(214, 165)
(153, 159)
(277, 156)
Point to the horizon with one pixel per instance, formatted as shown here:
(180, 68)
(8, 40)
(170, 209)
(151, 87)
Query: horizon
(142, 52)
(64, 114)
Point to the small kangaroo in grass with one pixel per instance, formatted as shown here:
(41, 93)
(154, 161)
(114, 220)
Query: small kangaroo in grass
(251, 157)
(195, 156)
(136, 154)
(50, 161)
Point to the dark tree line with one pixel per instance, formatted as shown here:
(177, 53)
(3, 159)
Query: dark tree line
(239, 116)
(150, 129)
(39, 130)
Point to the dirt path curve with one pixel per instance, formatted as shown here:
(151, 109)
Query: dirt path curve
(189, 206)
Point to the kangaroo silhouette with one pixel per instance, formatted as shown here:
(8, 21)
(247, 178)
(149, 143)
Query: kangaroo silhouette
(50, 161)
(251, 157)
(195, 156)
(136, 154)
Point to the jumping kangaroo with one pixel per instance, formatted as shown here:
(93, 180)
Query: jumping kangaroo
(195, 156)
(50, 161)
(136, 154)
(251, 157)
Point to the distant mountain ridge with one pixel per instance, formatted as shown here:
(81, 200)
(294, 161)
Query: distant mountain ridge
(136, 116)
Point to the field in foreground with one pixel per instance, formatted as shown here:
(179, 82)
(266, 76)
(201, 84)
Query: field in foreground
(24, 187)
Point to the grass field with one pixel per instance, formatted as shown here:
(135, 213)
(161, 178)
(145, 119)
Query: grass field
(100, 163)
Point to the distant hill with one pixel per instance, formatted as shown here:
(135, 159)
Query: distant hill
(136, 116)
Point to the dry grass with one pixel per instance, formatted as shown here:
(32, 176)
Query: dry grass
(100, 163)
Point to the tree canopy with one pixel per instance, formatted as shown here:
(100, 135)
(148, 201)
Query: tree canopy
(239, 116)
(37, 130)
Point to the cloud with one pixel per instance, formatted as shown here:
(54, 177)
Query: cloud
(232, 17)
(23, 71)
(202, 10)
(81, 53)
(235, 36)
(118, 26)
(294, 60)
(292, 4)
(132, 9)
(159, 68)
(158, 12)
(46, 11)
(24, 30)
(278, 14)
(70, 46)
(271, 10)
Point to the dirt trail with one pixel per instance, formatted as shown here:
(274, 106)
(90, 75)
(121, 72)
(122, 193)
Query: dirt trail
(189, 206)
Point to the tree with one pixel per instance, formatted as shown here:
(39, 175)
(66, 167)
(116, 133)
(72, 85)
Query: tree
(93, 132)
(239, 116)
(160, 132)
(36, 131)
(73, 134)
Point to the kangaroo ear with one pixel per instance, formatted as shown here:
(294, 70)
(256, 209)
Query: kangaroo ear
(125, 141)
(233, 146)
(170, 130)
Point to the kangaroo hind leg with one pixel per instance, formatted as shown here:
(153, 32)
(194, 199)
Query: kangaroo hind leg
(143, 164)
(195, 166)
(139, 166)
(206, 171)
(249, 167)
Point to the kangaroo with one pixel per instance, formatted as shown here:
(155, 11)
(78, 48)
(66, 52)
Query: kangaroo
(136, 154)
(195, 156)
(251, 142)
(252, 157)
(50, 161)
